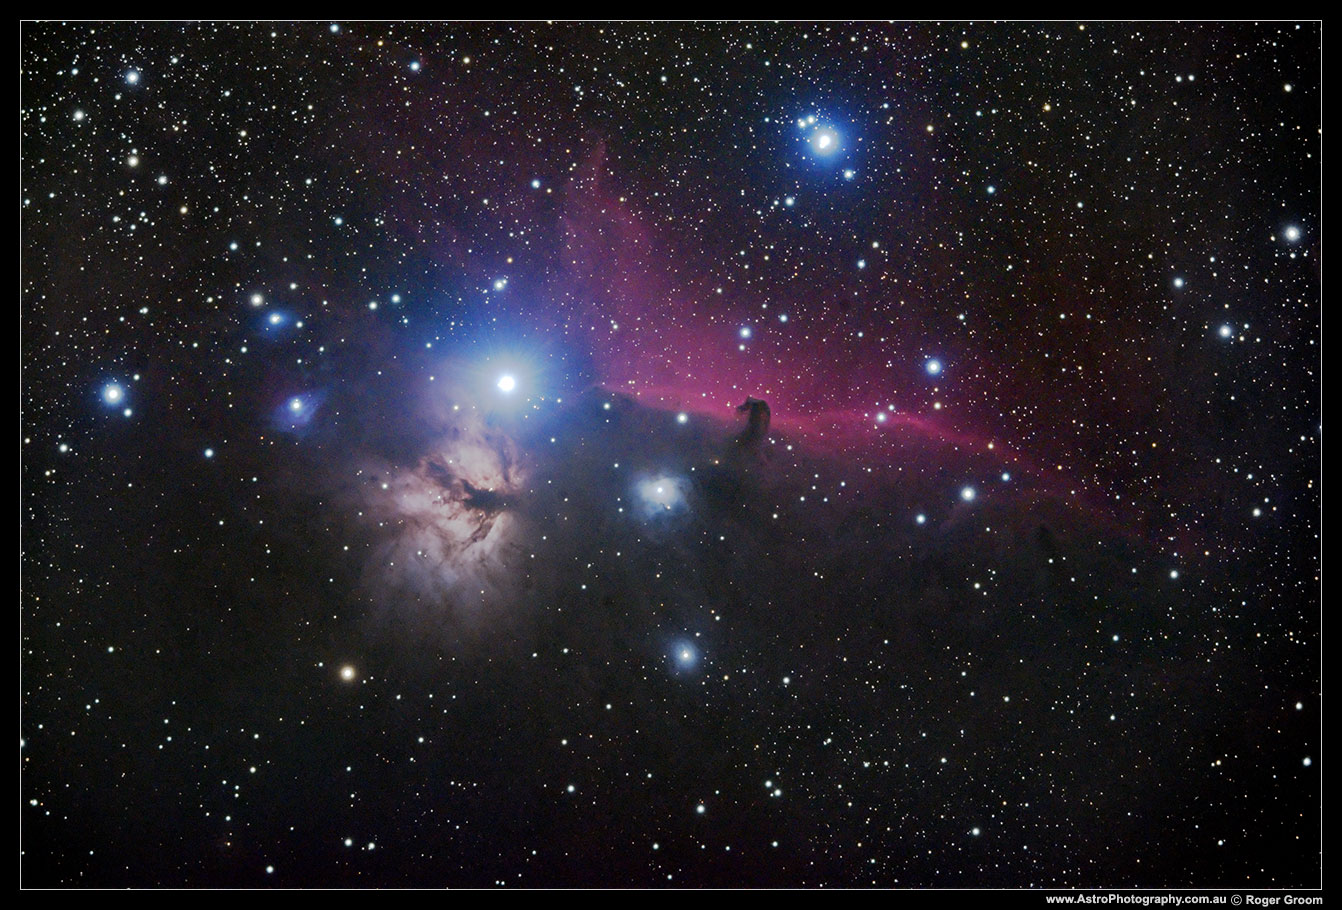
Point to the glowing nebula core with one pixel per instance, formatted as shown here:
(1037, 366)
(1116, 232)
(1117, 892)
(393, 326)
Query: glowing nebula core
(443, 528)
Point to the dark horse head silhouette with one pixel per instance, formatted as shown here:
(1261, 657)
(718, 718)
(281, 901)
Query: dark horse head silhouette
(757, 421)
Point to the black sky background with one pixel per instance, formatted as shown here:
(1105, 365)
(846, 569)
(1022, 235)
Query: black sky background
(1102, 670)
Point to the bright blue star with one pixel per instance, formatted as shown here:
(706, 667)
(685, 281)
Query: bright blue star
(296, 411)
(113, 394)
(659, 492)
(508, 383)
(933, 367)
(684, 655)
(824, 141)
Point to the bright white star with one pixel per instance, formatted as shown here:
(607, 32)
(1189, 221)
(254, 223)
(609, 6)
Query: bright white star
(825, 141)
(685, 654)
(660, 495)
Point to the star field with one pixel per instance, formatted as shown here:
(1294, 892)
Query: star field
(628, 455)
